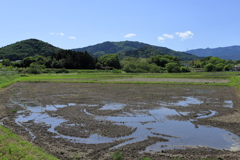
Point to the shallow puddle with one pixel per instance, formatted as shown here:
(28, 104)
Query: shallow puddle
(112, 106)
(158, 122)
(188, 101)
(228, 104)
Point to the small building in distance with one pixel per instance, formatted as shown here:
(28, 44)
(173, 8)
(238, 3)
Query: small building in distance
(236, 68)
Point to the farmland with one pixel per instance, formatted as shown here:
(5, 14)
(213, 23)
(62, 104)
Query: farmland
(93, 115)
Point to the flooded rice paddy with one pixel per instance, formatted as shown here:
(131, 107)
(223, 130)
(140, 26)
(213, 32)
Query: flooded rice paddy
(156, 117)
(147, 123)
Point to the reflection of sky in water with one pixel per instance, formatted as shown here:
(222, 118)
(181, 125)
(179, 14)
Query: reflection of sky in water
(228, 104)
(185, 103)
(148, 123)
(113, 106)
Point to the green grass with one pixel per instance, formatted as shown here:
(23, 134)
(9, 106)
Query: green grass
(90, 77)
(6, 80)
(117, 155)
(14, 148)
(98, 77)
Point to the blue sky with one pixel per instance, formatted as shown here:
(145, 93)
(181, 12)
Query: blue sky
(68, 24)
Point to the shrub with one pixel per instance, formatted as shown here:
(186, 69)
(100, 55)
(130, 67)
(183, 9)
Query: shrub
(209, 67)
(117, 155)
(116, 71)
(34, 68)
(228, 67)
(63, 70)
(185, 69)
(172, 67)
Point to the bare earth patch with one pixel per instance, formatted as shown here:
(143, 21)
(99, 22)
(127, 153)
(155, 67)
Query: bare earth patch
(91, 121)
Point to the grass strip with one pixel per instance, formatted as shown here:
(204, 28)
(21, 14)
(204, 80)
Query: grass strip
(6, 80)
(13, 147)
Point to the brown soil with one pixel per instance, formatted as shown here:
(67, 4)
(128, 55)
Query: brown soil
(84, 123)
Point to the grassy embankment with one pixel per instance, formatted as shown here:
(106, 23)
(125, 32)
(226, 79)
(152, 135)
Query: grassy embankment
(13, 147)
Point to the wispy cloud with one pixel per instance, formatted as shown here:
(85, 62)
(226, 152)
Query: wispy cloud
(168, 36)
(130, 35)
(53, 33)
(161, 39)
(165, 36)
(185, 35)
(72, 37)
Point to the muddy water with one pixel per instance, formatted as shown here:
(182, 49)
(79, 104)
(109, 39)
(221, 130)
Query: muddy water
(157, 122)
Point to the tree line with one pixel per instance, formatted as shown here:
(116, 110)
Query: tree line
(214, 64)
(69, 59)
(154, 64)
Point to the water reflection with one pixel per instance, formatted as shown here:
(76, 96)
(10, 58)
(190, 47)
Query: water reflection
(158, 122)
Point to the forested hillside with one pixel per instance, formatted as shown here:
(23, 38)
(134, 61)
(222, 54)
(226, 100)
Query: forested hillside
(34, 47)
(111, 47)
(26, 48)
(135, 49)
(143, 52)
(149, 51)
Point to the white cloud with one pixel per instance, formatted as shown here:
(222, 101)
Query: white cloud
(185, 35)
(52, 33)
(72, 37)
(161, 39)
(130, 35)
(168, 36)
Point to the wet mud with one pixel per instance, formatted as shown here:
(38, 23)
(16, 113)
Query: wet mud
(91, 121)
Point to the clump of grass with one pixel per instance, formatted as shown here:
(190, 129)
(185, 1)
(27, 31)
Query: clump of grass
(14, 110)
(145, 158)
(117, 155)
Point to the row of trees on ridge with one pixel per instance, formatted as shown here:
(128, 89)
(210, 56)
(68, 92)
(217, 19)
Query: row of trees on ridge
(69, 59)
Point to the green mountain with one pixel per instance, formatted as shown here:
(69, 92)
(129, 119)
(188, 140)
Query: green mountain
(32, 47)
(231, 52)
(143, 52)
(25, 48)
(133, 49)
(111, 48)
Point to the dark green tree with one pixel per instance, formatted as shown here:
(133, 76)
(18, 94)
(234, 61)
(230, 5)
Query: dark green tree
(110, 60)
(219, 67)
(228, 67)
(27, 61)
(34, 68)
(209, 67)
(6, 62)
(172, 67)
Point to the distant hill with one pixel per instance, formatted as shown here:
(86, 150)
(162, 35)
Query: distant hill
(131, 48)
(111, 47)
(143, 52)
(231, 52)
(25, 48)
(32, 47)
